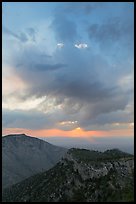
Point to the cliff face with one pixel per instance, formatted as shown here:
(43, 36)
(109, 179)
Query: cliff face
(89, 170)
(81, 175)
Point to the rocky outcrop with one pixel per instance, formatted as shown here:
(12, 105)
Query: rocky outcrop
(79, 177)
(123, 166)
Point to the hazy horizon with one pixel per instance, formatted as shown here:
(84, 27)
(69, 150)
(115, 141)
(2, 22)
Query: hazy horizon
(101, 144)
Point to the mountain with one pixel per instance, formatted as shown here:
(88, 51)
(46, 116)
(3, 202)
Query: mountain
(24, 156)
(81, 175)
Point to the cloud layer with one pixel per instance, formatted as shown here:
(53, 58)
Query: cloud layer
(91, 84)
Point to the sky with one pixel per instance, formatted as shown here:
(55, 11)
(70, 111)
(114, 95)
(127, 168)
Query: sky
(68, 71)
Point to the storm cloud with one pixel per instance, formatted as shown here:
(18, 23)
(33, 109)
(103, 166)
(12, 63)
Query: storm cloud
(84, 85)
(73, 85)
(114, 34)
(65, 29)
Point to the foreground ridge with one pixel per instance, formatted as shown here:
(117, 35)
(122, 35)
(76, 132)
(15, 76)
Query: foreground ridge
(81, 175)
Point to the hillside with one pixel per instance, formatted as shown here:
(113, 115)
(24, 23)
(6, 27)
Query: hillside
(24, 156)
(81, 175)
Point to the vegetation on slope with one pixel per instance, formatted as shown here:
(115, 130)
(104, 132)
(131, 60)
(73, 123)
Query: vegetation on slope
(66, 182)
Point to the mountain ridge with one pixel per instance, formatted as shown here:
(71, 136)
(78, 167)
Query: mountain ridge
(74, 179)
(23, 156)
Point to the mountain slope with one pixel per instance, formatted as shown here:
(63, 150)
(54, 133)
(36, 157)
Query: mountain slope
(78, 177)
(24, 156)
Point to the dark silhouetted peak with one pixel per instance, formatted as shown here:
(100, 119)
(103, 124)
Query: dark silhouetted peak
(24, 156)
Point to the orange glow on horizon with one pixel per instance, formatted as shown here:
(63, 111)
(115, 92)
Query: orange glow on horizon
(78, 132)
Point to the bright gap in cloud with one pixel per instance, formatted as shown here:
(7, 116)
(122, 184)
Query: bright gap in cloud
(15, 104)
(60, 45)
(81, 46)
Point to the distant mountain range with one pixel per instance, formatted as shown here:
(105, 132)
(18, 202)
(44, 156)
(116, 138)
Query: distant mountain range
(24, 156)
(80, 176)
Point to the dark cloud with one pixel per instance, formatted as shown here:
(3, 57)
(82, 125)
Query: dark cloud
(105, 121)
(34, 119)
(29, 34)
(74, 81)
(107, 32)
(110, 31)
(32, 33)
(114, 35)
(21, 37)
(85, 91)
(77, 8)
(65, 28)
(48, 67)
(31, 119)
(79, 85)
(41, 67)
